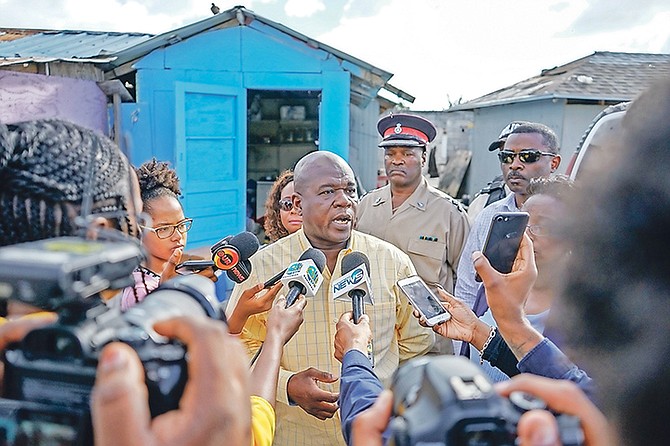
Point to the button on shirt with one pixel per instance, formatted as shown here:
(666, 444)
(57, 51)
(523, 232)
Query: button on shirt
(397, 335)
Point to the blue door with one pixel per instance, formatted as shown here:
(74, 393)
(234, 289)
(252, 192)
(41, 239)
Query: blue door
(211, 159)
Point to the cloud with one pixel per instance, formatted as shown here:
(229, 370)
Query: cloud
(615, 15)
(303, 8)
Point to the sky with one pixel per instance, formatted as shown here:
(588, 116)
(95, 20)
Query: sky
(440, 51)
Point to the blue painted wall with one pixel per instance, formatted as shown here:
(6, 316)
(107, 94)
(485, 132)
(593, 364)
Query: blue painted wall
(186, 94)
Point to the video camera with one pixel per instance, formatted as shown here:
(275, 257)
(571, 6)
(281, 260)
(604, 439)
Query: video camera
(49, 375)
(448, 400)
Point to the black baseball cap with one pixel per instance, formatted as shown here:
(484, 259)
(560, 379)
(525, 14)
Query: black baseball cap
(504, 133)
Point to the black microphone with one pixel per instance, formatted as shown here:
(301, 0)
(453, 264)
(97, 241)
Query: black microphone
(304, 276)
(356, 282)
(232, 253)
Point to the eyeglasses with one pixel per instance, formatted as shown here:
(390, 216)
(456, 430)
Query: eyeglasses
(525, 156)
(166, 231)
(539, 230)
(285, 205)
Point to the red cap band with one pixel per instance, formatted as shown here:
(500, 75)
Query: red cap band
(406, 131)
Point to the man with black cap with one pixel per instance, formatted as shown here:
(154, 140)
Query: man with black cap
(496, 189)
(530, 150)
(427, 224)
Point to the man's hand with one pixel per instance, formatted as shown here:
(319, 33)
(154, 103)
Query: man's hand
(463, 325)
(283, 322)
(561, 396)
(350, 336)
(214, 409)
(252, 301)
(303, 390)
(506, 294)
(369, 425)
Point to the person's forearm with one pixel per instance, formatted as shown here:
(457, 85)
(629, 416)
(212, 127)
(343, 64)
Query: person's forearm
(236, 320)
(480, 334)
(519, 335)
(265, 374)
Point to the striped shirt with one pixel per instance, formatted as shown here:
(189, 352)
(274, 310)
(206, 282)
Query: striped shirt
(397, 336)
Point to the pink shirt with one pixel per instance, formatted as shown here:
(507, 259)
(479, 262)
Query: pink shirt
(142, 287)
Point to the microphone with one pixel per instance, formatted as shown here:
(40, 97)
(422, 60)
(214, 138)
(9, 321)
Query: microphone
(304, 276)
(355, 283)
(232, 253)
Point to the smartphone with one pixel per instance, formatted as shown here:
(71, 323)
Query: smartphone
(423, 300)
(193, 266)
(503, 240)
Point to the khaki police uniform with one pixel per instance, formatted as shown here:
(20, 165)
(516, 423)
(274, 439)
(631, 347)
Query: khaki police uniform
(430, 226)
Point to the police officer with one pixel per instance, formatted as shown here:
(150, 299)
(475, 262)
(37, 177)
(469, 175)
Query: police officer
(424, 222)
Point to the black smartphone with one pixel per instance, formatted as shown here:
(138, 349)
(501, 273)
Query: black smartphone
(503, 240)
(274, 279)
(193, 266)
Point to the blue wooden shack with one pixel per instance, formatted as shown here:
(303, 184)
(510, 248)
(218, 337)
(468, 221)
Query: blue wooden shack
(234, 99)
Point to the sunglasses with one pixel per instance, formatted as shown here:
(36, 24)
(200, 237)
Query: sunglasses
(285, 205)
(166, 231)
(525, 156)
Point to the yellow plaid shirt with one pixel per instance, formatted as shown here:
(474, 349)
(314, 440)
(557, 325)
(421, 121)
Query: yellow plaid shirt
(397, 336)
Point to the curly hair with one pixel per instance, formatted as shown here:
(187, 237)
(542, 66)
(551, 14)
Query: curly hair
(559, 186)
(274, 229)
(47, 167)
(157, 179)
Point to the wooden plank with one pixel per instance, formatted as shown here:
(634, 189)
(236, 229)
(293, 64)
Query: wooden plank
(457, 166)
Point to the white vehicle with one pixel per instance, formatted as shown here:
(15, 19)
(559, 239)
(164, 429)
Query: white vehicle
(604, 127)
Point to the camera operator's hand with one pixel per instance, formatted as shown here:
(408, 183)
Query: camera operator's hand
(303, 390)
(368, 427)
(252, 301)
(14, 330)
(561, 396)
(464, 325)
(350, 336)
(214, 409)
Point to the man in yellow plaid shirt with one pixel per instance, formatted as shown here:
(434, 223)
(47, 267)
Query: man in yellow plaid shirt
(308, 388)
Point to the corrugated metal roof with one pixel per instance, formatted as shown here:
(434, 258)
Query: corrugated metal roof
(601, 76)
(68, 45)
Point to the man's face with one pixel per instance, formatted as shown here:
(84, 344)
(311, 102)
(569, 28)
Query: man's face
(403, 165)
(328, 202)
(518, 174)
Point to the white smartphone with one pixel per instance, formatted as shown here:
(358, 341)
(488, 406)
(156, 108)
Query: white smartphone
(423, 300)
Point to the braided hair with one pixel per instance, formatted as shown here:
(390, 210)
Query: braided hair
(157, 179)
(46, 169)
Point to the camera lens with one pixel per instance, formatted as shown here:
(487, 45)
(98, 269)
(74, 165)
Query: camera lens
(499, 218)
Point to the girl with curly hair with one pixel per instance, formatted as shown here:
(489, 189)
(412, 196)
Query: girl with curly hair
(281, 219)
(165, 239)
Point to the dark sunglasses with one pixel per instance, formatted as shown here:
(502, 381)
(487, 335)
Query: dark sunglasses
(285, 205)
(525, 156)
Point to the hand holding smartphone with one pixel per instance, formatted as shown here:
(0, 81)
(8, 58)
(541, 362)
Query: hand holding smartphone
(503, 240)
(423, 300)
(193, 266)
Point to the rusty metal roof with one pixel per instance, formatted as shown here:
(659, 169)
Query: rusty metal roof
(601, 76)
(19, 45)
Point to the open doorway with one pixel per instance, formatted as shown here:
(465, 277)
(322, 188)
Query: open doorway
(282, 127)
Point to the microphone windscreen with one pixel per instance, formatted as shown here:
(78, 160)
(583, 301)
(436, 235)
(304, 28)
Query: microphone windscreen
(246, 243)
(318, 257)
(354, 259)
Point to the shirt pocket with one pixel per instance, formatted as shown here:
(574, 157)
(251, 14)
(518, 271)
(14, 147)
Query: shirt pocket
(427, 257)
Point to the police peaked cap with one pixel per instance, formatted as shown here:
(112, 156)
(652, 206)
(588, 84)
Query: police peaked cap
(405, 130)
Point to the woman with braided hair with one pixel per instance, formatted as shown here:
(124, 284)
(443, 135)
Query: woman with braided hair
(60, 179)
(49, 169)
